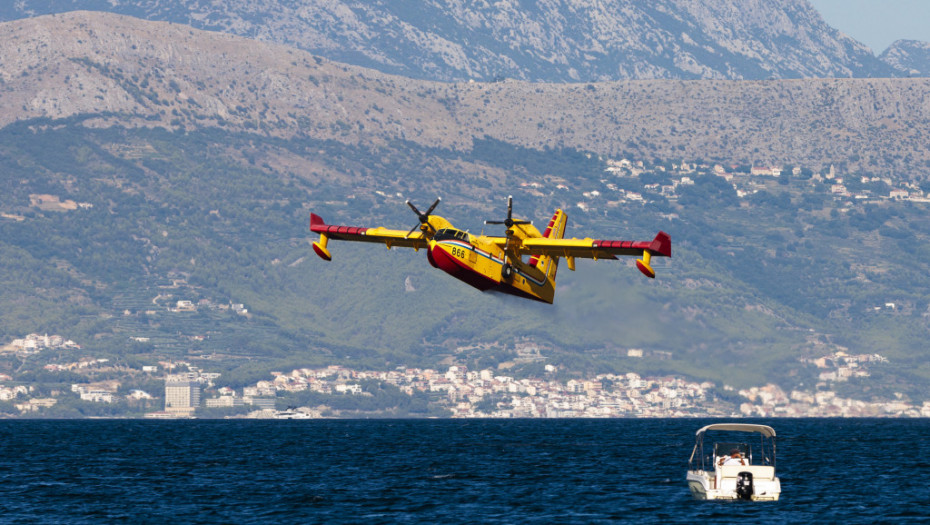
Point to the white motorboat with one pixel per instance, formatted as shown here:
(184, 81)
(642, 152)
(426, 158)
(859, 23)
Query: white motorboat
(736, 465)
(291, 413)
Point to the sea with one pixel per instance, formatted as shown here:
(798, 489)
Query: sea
(445, 471)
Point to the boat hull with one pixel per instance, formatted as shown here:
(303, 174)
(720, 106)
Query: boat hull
(701, 486)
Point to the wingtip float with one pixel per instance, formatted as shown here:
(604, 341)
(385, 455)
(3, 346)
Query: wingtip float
(320, 246)
(661, 245)
(523, 262)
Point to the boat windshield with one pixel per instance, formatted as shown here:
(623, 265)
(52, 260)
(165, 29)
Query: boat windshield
(727, 449)
(448, 234)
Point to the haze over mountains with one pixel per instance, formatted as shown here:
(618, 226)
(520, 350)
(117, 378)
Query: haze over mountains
(131, 72)
(202, 153)
(547, 41)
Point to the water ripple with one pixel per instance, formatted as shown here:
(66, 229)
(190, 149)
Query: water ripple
(523, 471)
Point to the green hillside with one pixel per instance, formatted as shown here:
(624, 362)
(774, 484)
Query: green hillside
(220, 218)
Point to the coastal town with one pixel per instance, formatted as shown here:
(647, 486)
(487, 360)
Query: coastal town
(457, 392)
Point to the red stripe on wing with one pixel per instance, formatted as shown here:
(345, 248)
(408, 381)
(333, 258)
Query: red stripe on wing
(318, 226)
(661, 245)
(636, 245)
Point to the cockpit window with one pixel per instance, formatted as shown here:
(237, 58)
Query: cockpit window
(447, 234)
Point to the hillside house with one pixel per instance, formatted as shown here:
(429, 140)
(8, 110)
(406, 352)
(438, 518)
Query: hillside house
(898, 194)
(771, 171)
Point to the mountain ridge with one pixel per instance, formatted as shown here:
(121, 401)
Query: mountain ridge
(910, 56)
(285, 92)
(549, 41)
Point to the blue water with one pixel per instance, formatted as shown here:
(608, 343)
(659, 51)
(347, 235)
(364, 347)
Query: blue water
(453, 471)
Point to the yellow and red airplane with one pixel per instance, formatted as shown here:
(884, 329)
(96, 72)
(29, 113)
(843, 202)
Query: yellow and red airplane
(497, 263)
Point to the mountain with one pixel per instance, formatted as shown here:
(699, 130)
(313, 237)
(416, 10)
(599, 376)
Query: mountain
(547, 41)
(133, 73)
(910, 56)
(146, 163)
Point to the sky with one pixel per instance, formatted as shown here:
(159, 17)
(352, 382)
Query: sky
(878, 23)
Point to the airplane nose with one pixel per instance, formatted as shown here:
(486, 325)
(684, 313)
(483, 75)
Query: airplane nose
(429, 254)
(440, 257)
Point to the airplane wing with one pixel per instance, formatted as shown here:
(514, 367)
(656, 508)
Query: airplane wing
(588, 248)
(391, 238)
(597, 249)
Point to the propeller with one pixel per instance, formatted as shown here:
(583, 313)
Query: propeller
(509, 222)
(423, 217)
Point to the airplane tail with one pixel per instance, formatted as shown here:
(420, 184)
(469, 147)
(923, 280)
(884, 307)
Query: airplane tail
(555, 230)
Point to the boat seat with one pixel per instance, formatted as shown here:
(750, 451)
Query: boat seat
(758, 471)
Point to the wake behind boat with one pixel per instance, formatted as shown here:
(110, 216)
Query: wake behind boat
(733, 468)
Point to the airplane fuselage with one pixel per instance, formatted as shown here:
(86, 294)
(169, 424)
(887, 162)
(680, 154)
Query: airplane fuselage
(484, 266)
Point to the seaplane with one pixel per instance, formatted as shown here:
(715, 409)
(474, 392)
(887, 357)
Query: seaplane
(523, 262)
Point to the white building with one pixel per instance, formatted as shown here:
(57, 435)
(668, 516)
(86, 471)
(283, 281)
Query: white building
(181, 396)
(97, 396)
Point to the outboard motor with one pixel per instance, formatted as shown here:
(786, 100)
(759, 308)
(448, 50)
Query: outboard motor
(744, 488)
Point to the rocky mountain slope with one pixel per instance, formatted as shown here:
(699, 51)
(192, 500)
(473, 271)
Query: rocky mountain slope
(549, 41)
(910, 56)
(135, 73)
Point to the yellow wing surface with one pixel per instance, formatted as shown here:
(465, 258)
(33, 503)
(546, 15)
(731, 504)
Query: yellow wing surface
(391, 238)
(588, 248)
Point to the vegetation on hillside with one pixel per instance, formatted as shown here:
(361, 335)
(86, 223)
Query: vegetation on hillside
(216, 218)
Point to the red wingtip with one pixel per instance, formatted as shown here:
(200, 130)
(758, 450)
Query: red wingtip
(662, 244)
(316, 220)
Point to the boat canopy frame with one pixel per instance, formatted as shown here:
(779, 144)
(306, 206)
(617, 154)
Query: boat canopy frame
(766, 433)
